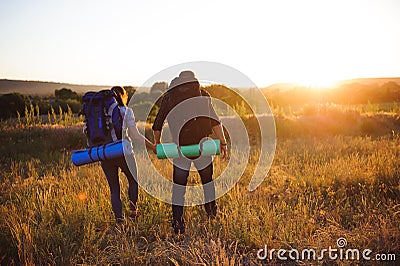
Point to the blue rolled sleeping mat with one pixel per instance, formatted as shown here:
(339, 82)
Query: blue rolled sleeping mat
(104, 152)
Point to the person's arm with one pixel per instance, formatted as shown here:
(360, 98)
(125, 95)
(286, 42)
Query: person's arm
(219, 132)
(216, 125)
(133, 131)
(137, 136)
(160, 118)
(157, 136)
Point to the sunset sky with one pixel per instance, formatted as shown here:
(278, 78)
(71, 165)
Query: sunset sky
(126, 42)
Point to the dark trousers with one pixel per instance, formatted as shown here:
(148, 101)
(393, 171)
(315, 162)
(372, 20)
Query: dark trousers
(110, 168)
(180, 177)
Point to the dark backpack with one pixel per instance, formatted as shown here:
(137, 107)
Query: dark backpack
(103, 121)
(193, 129)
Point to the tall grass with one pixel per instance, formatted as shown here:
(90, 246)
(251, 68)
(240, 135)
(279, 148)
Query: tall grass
(320, 187)
(331, 108)
(32, 117)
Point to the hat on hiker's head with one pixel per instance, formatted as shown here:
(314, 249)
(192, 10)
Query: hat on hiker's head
(188, 76)
(185, 76)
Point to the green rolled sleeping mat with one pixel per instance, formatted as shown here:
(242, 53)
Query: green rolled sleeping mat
(210, 147)
(171, 150)
(190, 150)
(167, 150)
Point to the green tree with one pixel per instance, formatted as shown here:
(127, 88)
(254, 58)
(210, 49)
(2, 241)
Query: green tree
(65, 94)
(12, 103)
(391, 90)
(161, 86)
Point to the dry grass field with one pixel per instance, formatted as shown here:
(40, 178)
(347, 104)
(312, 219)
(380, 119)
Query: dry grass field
(334, 175)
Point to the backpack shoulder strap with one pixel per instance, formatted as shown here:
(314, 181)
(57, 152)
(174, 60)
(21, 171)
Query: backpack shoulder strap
(110, 114)
(90, 107)
(204, 93)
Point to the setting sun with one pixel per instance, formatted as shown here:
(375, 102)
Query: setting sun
(317, 83)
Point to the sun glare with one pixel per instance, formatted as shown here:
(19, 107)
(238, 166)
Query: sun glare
(317, 83)
(326, 76)
(82, 196)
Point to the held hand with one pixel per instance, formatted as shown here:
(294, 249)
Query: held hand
(224, 150)
(154, 148)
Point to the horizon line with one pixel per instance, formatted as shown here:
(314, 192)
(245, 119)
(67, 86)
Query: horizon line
(138, 86)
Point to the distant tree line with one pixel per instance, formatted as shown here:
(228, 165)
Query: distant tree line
(356, 93)
(14, 104)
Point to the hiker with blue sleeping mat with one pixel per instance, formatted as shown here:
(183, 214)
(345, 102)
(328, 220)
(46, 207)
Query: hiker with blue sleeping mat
(105, 112)
(191, 119)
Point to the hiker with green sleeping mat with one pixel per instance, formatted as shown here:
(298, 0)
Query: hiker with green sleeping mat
(191, 119)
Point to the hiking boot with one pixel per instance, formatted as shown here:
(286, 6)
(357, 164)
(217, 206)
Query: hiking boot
(120, 221)
(119, 225)
(211, 209)
(134, 214)
(179, 227)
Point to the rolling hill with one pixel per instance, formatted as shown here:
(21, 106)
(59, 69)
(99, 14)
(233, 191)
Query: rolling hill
(364, 81)
(43, 88)
(372, 81)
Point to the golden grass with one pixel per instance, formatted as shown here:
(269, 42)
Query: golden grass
(318, 189)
